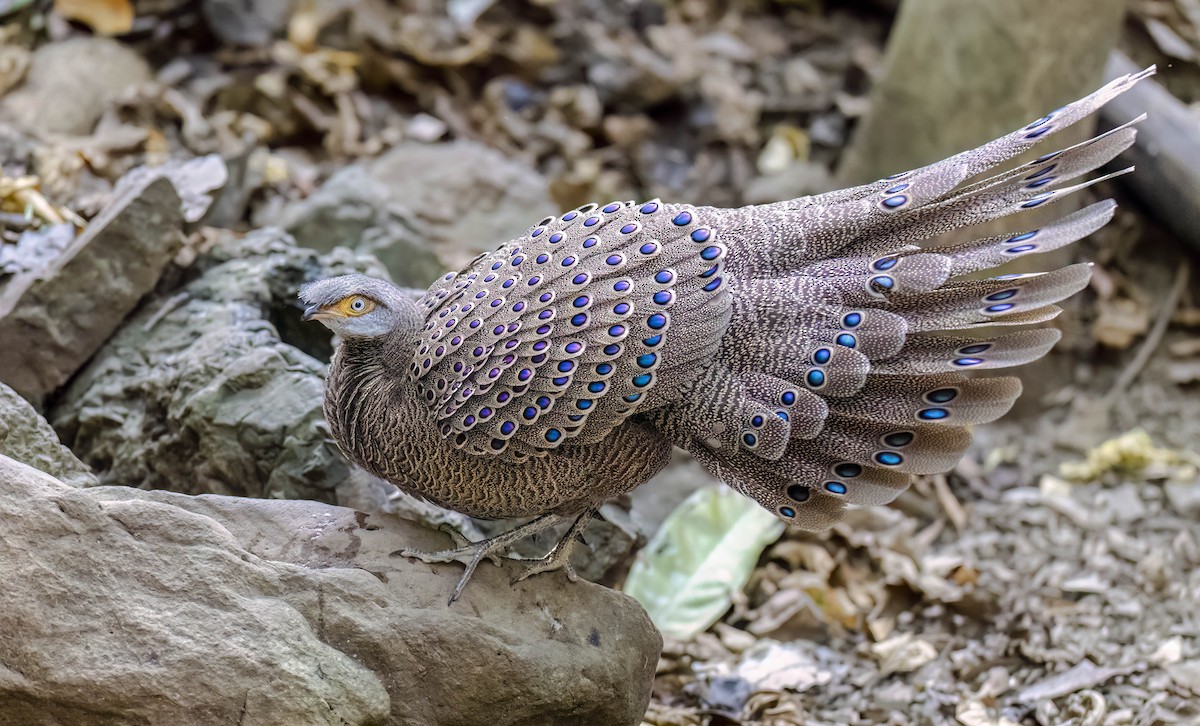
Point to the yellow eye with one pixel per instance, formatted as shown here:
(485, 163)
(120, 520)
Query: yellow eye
(356, 305)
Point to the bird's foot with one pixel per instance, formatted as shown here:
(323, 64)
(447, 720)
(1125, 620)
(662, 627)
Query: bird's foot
(472, 553)
(559, 558)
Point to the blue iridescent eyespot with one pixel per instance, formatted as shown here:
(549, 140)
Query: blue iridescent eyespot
(1002, 295)
(710, 253)
(648, 249)
(835, 487)
(583, 404)
(591, 221)
(556, 238)
(565, 366)
(621, 308)
(646, 360)
(899, 439)
(1037, 200)
(615, 259)
(788, 398)
(757, 422)
(543, 402)
(815, 378)
(497, 444)
(561, 381)
(701, 235)
(1022, 237)
(749, 439)
(596, 386)
(967, 361)
(885, 263)
(682, 219)
(711, 271)
(604, 368)
(888, 458)
(589, 243)
(662, 297)
(541, 259)
(1039, 183)
(999, 308)
(787, 512)
(895, 202)
(822, 356)
(611, 207)
(656, 321)
(507, 427)
(846, 340)
(629, 228)
(621, 285)
(649, 208)
(568, 261)
(653, 340)
(1019, 249)
(581, 301)
(537, 232)
(974, 349)
(580, 278)
(664, 277)
(932, 414)
(529, 413)
(553, 435)
(497, 266)
(612, 349)
(1043, 172)
(881, 283)
(783, 415)
(569, 216)
(1038, 132)
(616, 331)
(942, 395)
(579, 319)
(847, 470)
(710, 287)
(851, 320)
(642, 380)
(798, 493)
(632, 397)
(1040, 122)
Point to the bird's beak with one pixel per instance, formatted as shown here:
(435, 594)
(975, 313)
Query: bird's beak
(314, 312)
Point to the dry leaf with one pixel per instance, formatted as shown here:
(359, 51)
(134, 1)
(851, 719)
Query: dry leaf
(106, 17)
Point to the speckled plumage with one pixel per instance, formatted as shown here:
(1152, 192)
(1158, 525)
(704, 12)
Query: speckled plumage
(787, 346)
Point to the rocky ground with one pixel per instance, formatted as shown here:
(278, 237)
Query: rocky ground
(164, 193)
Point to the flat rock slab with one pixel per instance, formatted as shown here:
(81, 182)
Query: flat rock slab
(140, 607)
(53, 320)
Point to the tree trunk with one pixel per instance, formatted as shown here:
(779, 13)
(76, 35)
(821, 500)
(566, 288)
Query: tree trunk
(959, 73)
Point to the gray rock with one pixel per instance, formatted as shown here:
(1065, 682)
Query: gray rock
(26, 437)
(217, 388)
(421, 208)
(248, 22)
(70, 84)
(224, 610)
(52, 320)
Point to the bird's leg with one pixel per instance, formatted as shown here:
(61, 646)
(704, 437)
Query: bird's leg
(471, 553)
(559, 558)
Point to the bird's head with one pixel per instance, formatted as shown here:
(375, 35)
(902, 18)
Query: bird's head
(357, 306)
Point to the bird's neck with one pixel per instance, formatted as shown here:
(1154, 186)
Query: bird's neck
(364, 375)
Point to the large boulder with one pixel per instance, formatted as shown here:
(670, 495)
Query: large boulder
(217, 387)
(140, 607)
(53, 319)
(26, 437)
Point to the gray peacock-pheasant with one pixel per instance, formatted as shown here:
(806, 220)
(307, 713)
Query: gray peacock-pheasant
(804, 352)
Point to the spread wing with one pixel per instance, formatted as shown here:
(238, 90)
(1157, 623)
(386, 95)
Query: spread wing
(559, 336)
